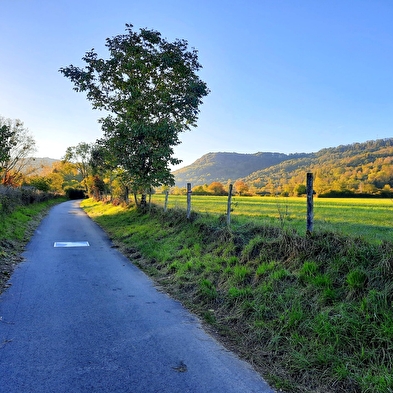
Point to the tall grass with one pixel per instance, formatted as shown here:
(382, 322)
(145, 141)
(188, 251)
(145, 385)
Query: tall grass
(313, 313)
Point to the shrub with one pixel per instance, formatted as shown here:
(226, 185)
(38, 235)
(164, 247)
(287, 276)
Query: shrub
(11, 197)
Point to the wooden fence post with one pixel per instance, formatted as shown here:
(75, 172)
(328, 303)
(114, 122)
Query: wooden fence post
(229, 204)
(310, 203)
(166, 201)
(188, 200)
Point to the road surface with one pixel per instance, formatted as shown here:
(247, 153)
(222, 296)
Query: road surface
(79, 317)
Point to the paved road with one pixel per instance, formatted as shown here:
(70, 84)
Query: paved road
(83, 319)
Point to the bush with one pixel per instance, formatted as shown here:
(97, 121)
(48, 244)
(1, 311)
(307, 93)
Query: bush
(11, 197)
(7, 204)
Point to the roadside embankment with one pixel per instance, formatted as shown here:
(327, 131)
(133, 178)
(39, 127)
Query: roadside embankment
(312, 313)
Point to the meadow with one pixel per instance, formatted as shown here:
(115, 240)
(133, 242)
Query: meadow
(368, 218)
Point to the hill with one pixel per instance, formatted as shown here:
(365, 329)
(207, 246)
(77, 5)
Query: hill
(37, 165)
(362, 168)
(227, 166)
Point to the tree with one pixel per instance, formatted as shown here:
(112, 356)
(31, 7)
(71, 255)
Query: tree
(300, 189)
(6, 141)
(17, 146)
(216, 188)
(241, 187)
(98, 187)
(151, 90)
(64, 175)
(41, 183)
(80, 156)
(200, 190)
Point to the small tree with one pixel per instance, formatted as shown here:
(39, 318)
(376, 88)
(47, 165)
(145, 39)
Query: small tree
(200, 190)
(300, 189)
(6, 141)
(241, 187)
(16, 147)
(64, 175)
(80, 156)
(98, 188)
(41, 183)
(151, 90)
(216, 188)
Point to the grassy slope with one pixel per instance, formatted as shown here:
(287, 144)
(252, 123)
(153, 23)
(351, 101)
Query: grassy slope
(15, 231)
(314, 314)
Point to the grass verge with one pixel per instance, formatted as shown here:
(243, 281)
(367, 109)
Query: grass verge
(311, 313)
(16, 229)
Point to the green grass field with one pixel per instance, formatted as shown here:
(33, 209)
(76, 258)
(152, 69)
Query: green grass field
(368, 218)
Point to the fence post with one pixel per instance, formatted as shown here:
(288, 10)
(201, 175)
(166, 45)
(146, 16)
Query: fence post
(229, 204)
(166, 201)
(188, 200)
(310, 203)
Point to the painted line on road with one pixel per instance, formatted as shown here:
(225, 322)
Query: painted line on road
(71, 244)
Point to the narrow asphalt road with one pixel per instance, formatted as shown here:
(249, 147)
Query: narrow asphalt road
(79, 317)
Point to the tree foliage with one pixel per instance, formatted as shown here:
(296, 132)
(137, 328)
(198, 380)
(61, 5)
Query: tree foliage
(80, 156)
(16, 147)
(6, 141)
(151, 91)
(216, 188)
(241, 187)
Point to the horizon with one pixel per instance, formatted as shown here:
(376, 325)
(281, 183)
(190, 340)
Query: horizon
(234, 152)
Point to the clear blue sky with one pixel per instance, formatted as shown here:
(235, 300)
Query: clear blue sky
(285, 76)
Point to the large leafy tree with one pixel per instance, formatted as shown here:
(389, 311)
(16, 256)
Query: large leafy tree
(151, 91)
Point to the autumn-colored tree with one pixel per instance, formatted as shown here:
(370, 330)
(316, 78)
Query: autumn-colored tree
(216, 188)
(241, 187)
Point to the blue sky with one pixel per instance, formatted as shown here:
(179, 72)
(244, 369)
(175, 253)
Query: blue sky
(285, 76)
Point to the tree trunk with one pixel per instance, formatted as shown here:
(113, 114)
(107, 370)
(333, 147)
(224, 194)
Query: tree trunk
(136, 199)
(150, 192)
(143, 200)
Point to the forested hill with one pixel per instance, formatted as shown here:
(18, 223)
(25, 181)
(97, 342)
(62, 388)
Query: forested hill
(227, 166)
(359, 167)
(38, 165)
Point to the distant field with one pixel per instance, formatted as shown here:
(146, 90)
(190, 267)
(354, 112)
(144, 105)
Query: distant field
(369, 218)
